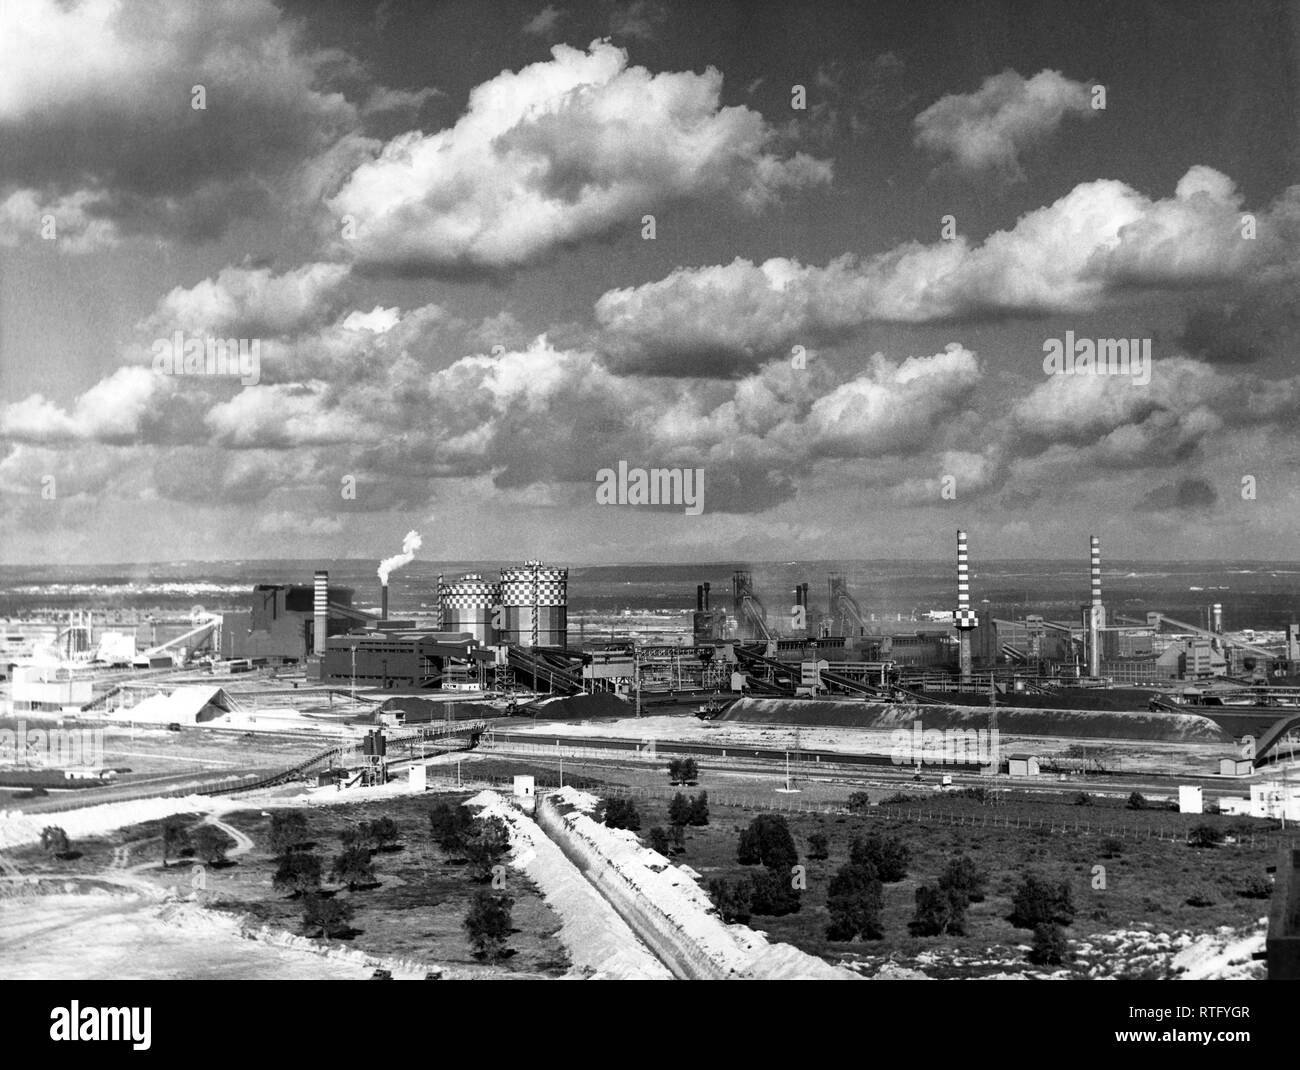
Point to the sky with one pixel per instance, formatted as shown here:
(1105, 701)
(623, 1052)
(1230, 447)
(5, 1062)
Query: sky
(476, 254)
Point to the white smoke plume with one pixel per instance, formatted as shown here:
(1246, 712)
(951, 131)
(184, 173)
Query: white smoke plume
(410, 544)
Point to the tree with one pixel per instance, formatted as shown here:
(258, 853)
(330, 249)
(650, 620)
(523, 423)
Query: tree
(698, 812)
(488, 924)
(384, 832)
(859, 801)
(964, 877)
(734, 899)
(774, 892)
(818, 847)
(889, 855)
(210, 844)
(854, 900)
(450, 826)
(939, 911)
(1204, 836)
(288, 831)
(329, 917)
(674, 770)
(1039, 902)
(767, 840)
(356, 836)
(659, 840)
(1083, 799)
(175, 836)
(1050, 947)
(1137, 801)
(299, 873)
(487, 846)
(622, 814)
(677, 836)
(352, 867)
(679, 810)
(690, 771)
(55, 840)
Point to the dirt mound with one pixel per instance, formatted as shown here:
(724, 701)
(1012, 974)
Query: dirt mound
(581, 707)
(1086, 724)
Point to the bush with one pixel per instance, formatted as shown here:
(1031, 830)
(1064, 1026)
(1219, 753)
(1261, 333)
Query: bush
(1137, 801)
(1083, 799)
(487, 846)
(175, 837)
(1257, 887)
(210, 844)
(677, 836)
(659, 841)
(1201, 897)
(698, 814)
(488, 924)
(450, 826)
(288, 831)
(818, 847)
(939, 910)
(774, 892)
(854, 901)
(690, 771)
(964, 878)
(734, 899)
(622, 814)
(859, 801)
(383, 832)
(888, 855)
(767, 840)
(352, 867)
(679, 810)
(1050, 947)
(299, 873)
(329, 917)
(1039, 902)
(55, 840)
(674, 770)
(1111, 848)
(1204, 836)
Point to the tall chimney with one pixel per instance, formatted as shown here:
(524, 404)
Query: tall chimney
(1218, 619)
(699, 597)
(1097, 613)
(383, 601)
(320, 610)
(706, 595)
(964, 618)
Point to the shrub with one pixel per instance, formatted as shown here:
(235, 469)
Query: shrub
(854, 901)
(1111, 848)
(774, 892)
(352, 867)
(734, 899)
(888, 855)
(1083, 799)
(659, 841)
(487, 846)
(939, 910)
(175, 837)
(210, 844)
(488, 924)
(450, 826)
(677, 836)
(55, 839)
(965, 879)
(1137, 801)
(288, 831)
(674, 770)
(329, 917)
(1039, 902)
(767, 841)
(299, 873)
(690, 771)
(1204, 836)
(818, 847)
(383, 832)
(1201, 897)
(859, 801)
(698, 813)
(622, 814)
(1050, 947)
(1258, 886)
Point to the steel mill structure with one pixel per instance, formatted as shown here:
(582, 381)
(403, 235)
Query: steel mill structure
(534, 600)
(471, 604)
(1096, 612)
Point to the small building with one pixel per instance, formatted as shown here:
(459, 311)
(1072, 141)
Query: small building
(185, 705)
(1282, 945)
(1275, 799)
(1022, 765)
(1236, 767)
(1190, 800)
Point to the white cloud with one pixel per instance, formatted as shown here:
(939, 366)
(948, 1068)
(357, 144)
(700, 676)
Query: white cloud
(559, 152)
(116, 409)
(988, 129)
(544, 22)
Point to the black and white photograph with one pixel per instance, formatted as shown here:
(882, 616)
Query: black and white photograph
(651, 490)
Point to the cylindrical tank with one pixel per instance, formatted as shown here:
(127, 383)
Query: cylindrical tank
(535, 598)
(467, 605)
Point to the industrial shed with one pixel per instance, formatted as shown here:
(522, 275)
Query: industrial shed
(185, 705)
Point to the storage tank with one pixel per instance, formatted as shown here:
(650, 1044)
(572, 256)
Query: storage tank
(535, 598)
(467, 605)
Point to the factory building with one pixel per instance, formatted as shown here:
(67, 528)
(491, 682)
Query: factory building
(395, 655)
(282, 625)
(534, 600)
(470, 605)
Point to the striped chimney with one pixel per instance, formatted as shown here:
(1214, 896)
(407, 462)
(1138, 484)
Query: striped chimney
(1096, 615)
(964, 618)
(320, 610)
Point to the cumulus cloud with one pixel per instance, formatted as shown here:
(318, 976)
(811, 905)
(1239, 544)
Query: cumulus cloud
(1185, 495)
(115, 410)
(543, 24)
(1089, 249)
(556, 153)
(986, 131)
(279, 416)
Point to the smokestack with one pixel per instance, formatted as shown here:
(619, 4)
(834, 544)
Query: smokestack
(321, 611)
(964, 618)
(699, 597)
(706, 596)
(383, 601)
(1218, 619)
(1096, 613)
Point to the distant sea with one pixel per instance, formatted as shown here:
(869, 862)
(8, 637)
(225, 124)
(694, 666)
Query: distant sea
(1260, 595)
